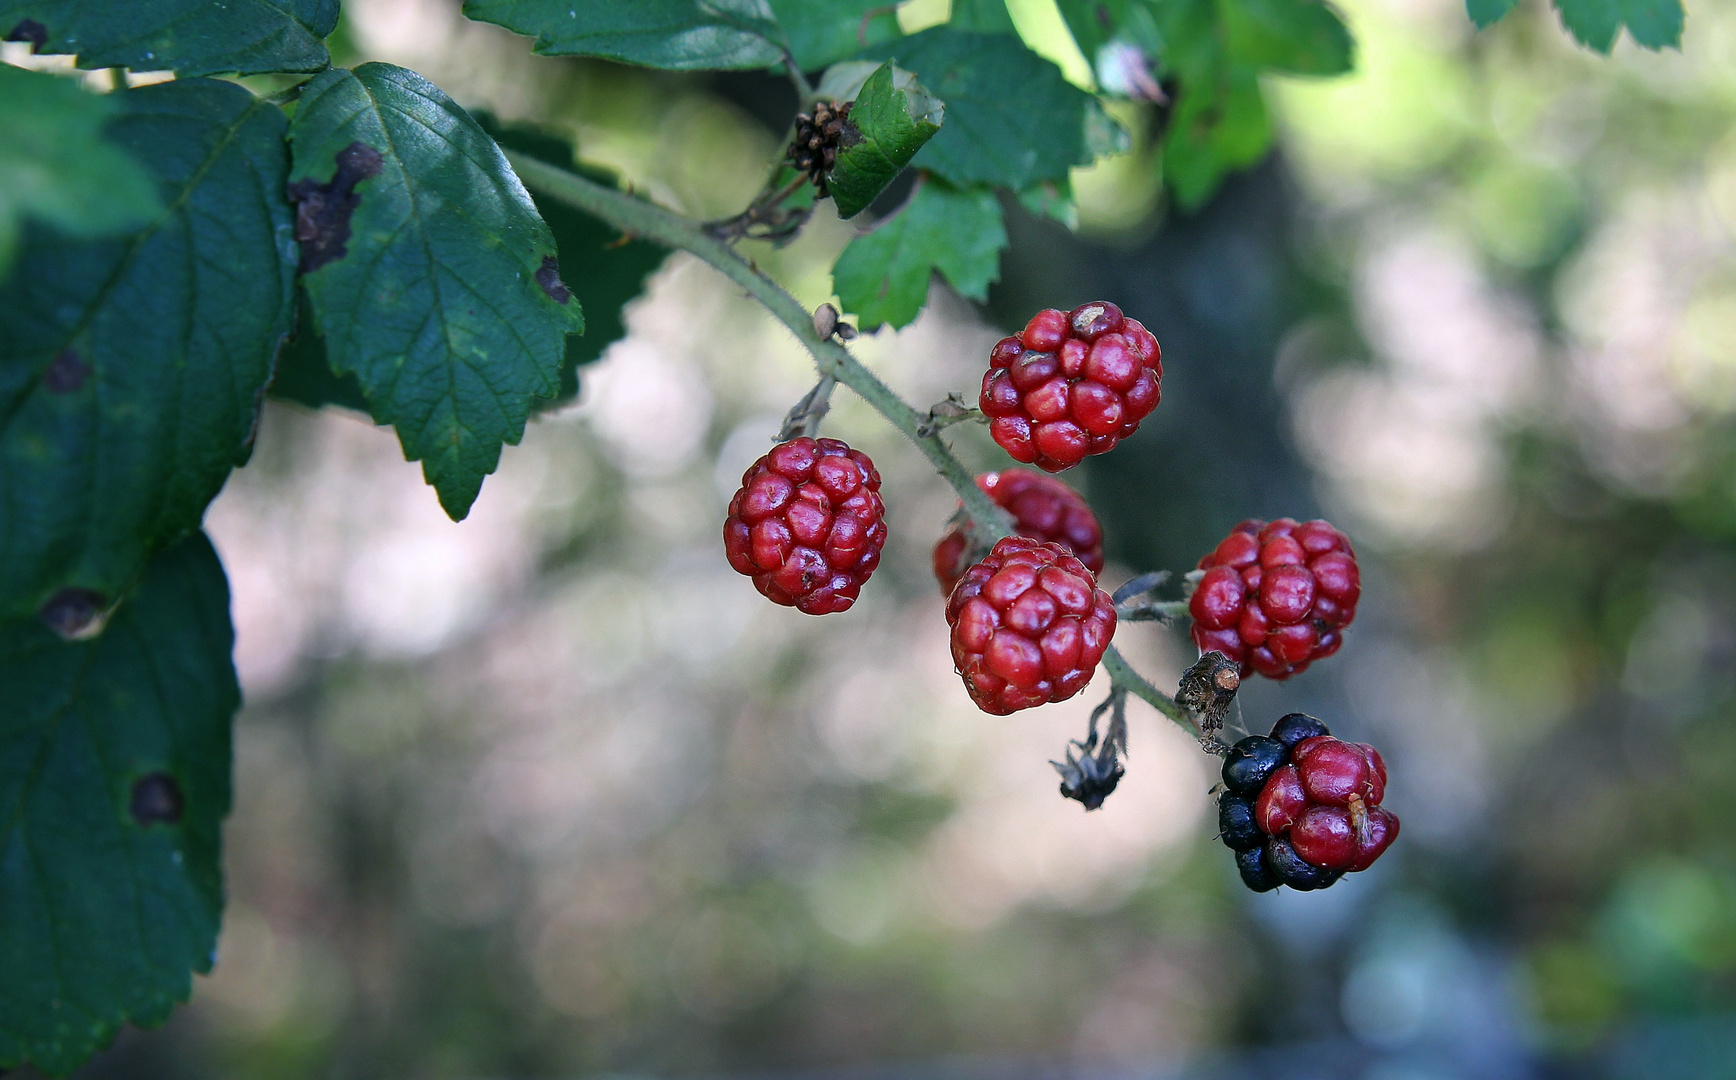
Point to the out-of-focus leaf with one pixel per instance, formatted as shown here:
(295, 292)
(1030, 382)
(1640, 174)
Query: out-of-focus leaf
(114, 775)
(188, 37)
(1011, 118)
(131, 367)
(56, 166)
(695, 34)
(303, 373)
(882, 276)
(983, 16)
(1303, 37)
(1052, 199)
(1654, 24)
(603, 269)
(1097, 23)
(892, 117)
(1218, 126)
(1486, 13)
(432, 278)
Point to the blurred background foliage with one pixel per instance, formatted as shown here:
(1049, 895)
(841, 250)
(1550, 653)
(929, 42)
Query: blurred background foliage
(554, 793)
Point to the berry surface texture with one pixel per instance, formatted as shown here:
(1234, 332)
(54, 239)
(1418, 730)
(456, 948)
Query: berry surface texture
(807, 525)
(1275, 597)
(1043, 508)
(1071, 384)
(1029, 625)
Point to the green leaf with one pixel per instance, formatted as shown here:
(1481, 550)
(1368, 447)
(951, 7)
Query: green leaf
(189, 37)
(1486, 13)
(1302, 37)
(1218, 126)
(1011, 119)
(1594, 22)
(431, 276)
(1097, 23)
(605, 270)
(1654, 24)
(303, 373)
(983, 16)
(882, 276)
(822, 31)
(56, 166)
(1052, 199)
(890, 120)
(114, 782)
(130, 368)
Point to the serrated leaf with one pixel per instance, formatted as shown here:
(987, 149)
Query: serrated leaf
(1012, 120)
(188, 37)
(57, 167)
(604, 269)
(882, 276)
(890, 119)
(130, 368)
(431, 278)
(1095, 24)
(687, 35)
(1595, 23)
(1218, 126)
(1486, 13)
(114, 782)
(1655, 24)
(1303, 37)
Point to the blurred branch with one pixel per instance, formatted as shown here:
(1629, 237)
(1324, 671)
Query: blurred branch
(648, 221)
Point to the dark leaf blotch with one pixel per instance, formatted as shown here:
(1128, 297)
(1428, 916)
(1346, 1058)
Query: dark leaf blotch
(29, 30)
(157, 800)
(73, 611)
(66, 374)
(322, 211)
(549, 277)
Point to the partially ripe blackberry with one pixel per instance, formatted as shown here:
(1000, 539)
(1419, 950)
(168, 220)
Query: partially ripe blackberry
(807, 525)
(1301, 808)
(1043, 508)
(1276, 597)
(1029, 625)
(1071, 384)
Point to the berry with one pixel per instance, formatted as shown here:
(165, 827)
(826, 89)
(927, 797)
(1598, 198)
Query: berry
(1276, 597)
(807, 525)
(1302, 808)
(1043, 508)
(1028, 625)
(1071, 384)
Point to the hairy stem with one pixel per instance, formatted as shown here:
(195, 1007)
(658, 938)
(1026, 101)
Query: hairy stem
(648, 221)
(1121, 673)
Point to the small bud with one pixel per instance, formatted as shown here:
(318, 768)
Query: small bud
(825, 320)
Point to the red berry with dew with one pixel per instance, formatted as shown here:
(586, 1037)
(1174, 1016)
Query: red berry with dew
(808, 524)
(1043, 508)
(1029, 625)
(1276, 596)
(1071, 384)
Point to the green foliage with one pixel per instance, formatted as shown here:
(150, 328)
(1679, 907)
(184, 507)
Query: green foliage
(1011, 119)
(1488, 12)
(189, 37)
(1301, 37)
(883, 275)
(1218, 126)
(114, 775)
(985, 16)
(56, 166)
(131, 367)
(1596, 23)
(434, 302)
(894, 116)
(694, 34)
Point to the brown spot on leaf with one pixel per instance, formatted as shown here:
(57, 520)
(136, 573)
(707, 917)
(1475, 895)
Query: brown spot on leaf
(549, 277)
(66, 374)
(29, 30)
(157, 800)
(74, 613)
(322, 211)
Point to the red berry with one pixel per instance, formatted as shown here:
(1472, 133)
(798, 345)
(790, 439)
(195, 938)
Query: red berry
(807, 524)
(1327, 803)
(1071, 384)
(1043, 508)
(1276, 596)
(1028, 625)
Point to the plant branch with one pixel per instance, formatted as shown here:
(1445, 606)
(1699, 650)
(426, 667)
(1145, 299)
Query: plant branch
(1121, 674)
(648, 221)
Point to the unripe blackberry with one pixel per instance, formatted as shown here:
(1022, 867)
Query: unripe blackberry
(807, 525)
(1029, 625)
(1043, 508)
(1276, 597)
(1071, 384)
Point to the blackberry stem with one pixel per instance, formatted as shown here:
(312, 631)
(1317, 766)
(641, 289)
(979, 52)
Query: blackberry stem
(644, 220)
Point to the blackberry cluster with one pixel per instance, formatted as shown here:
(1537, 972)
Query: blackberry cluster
(1276, 597)
(1301, 808)
(1043, 508)
(1029, 625)
(807, 525)
(1071, 384)
(819, 136)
